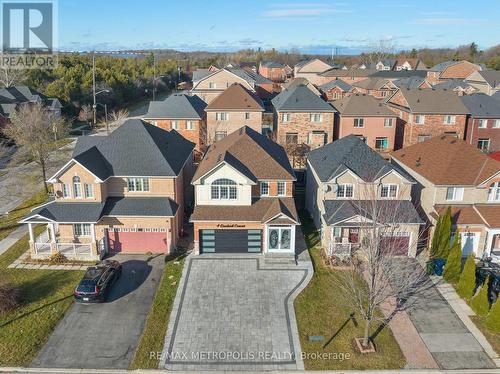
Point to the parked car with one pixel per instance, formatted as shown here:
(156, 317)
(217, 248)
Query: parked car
(485, 269)
(97, 282)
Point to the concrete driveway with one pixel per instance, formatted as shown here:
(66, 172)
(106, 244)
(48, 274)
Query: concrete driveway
(100, 336)
(236, 313)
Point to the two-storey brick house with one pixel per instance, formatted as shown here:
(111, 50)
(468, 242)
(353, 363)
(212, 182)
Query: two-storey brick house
(272, 70)
(483, 127)
(377, 87)
(244, 197)
(124, 192)
(349, 186)
(452, 173)
(236, 107)
(302, 117)
(425, 113)
(336, 89)
(451, 70)
(180, 112)
(367, 118)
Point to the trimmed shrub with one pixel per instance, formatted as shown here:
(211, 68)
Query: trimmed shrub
(493, 318)
(479, 303)
(467, 282)
(453, 265)
(10, 297)
(440, 246)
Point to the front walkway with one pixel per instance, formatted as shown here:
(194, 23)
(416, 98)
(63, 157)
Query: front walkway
(236, 313)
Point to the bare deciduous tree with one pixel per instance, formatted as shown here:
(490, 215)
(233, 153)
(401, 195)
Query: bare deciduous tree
(380, 50)
(11, 77)
(32, 128)
(382, 236)
(117, 117)
(86, 113)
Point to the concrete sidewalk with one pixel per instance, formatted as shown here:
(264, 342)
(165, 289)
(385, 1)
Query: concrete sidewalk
(12, 238)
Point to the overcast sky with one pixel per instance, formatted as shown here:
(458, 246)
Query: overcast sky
(310, 26)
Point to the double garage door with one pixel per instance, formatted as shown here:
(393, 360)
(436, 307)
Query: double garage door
(395, 245)
(137, 241)
(230, 241)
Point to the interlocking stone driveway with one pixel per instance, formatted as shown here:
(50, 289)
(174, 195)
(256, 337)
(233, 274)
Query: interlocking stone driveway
(236, 313)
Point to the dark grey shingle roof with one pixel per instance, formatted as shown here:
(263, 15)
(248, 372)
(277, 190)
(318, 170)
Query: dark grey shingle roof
(492, 77)
(451, 84)
(399, 73)
(177, 106)
(140, 206)
(362, 105)
(199, 74)
(336, 83)
(300, 98)
(409, 82)
(134, 149)
(481, 105)
(496, 95)
(395, 211)
(272, 64)
(443, 65)
(348, 153)
(69, 212)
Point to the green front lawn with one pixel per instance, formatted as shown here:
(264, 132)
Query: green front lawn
(322, 309)
(10, 222)
(47, 295)
(151, 344)
(492, 337)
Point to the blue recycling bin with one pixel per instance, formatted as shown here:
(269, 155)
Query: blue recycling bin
(439, 266)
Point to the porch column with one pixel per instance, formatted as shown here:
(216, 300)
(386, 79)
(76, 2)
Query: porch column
(32, 239)
(53, 245)
(93, 244)
(489, 242)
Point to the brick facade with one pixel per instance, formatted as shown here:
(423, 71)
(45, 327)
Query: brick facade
(474, 133)
(197, 135)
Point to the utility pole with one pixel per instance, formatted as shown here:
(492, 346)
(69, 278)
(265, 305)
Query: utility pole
(154, 76)
(93, 88)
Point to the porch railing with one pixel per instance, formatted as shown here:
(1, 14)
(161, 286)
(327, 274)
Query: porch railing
(74, 249)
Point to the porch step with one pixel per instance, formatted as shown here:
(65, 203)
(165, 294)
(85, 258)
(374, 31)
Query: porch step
(279, 259)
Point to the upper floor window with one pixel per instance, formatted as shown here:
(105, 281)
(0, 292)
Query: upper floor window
(247, 115)
(65, 190)
(77, 186)
(138, 184)
(316, 117)
(212, 85)
(190, 125)
(286, 117)
(455, 193)
(419, 119)
(291, 138)
(345, 191)
(316, 137)
(449, 120)
(483, 144)
(220, 135)
(482, 123)
(388, 122)
(359, 122)
(281, 188)
(221, 116)
(264, 188)
(389, 190)
(496, 124)
(494, 192)
(224, 189)
(89, 191)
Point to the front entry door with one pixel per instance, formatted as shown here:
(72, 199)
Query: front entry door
(470, 241)
(280, 239)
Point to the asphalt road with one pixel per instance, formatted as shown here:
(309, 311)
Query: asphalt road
(105, 336)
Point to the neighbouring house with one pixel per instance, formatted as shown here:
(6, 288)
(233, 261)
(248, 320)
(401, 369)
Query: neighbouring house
(377, 87)
(249, 65)
(300, 82)
(310, 69)
(346, 182)
(367, 118)
(182, 113)
(236, 107)
(244, 197)
(412, 82)
(409, 64)
(273, 71)
(12, 97)
(459, 86)
(124, 192)
(451, 70)
(427, 113)
(485, 81)
(452, 173)
(386, 64)
(208, 85)
(349, 76)
(336, 89)
(301, 117)
(483, 128)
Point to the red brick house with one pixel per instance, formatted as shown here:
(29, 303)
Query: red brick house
(377, 87)
(483, 128)
(273, 71)
(451, 70)
(336, 89)
(367, 118)
(427, 113)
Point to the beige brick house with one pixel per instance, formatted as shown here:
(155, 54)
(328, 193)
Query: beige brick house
(302, 117)
(486, 81)
(310, 69)
(425, 113)
(349, 186)
(124, 192)
(236, 107)
(451, 173)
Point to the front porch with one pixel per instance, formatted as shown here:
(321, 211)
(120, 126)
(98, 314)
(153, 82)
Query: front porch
(343, 241)
(50, 242)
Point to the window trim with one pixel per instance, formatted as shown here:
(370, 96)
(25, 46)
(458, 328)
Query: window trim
(312, 117)
(456, 196)
(261, 184)
(81, 228)
(222, 116)
(390, 120)
(480, 122)
(285, 117)
(451, 117)
(283, 183)
(144, 182)
(65, 190)
(388, 186)
(86, 188)
(77, 183)
(386, 142)
(224, 188)
(487, 140)
(345, 187)
(358, 123)
(494, 191)
(421, 117)
(496, 124)
(174, 125)
(190, 125)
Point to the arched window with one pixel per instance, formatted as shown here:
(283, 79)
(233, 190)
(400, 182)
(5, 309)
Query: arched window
(494, 192)
(77, 186)
(224, 189)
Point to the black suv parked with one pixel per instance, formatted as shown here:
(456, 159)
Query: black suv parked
(97, 281)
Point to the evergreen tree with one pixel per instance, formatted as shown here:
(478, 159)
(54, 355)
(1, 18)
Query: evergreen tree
(435, 239)
(479, 303)
(493, 318)
(453, 265)
(467, 281)
(444, 240)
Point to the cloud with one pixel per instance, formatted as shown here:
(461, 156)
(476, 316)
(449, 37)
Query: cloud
(302, 10)
(446, 21)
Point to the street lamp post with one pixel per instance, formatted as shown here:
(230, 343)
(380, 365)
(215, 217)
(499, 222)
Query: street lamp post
(105, 116)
